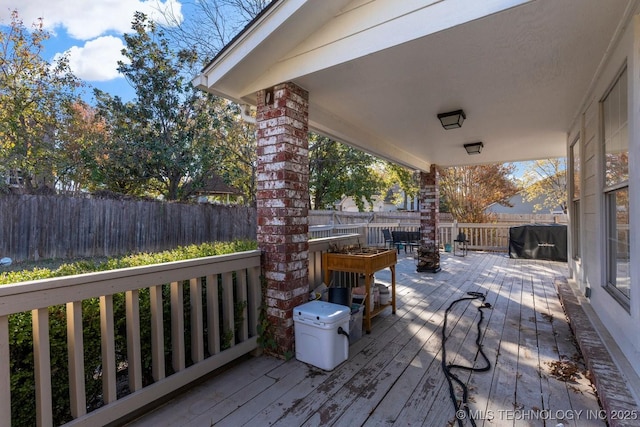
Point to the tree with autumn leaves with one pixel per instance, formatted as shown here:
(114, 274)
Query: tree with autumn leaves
(466, 191)
(544, 182)
(38, 100)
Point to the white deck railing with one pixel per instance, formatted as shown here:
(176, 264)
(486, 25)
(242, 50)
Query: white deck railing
(489, 237)
(218, 283)
(217, 286)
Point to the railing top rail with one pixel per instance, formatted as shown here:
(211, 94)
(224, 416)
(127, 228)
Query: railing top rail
(42, 293)
(323, 243)
(483, 225)
(320, 227)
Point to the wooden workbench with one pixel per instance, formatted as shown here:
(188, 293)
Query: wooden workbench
(366, 264)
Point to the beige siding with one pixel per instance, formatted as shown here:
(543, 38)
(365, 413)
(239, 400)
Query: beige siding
(619, 322)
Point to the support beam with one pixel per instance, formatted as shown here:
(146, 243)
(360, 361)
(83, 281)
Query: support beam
(282, 205)
(429, 251)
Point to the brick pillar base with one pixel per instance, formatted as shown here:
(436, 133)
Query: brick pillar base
(429, 250)
(282, 207)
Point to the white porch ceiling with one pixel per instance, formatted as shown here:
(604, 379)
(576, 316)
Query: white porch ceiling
(379, 71)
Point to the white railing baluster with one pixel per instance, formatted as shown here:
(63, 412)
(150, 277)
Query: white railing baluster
(157, 333)
(134, 354)
(197, 333)
(107, 341)
(241, 291)
(42, 367)
(5, 374)
(213, 315)
(240, 276)
(254, 302)
(227, 308)
(75, 351)
(177, 326)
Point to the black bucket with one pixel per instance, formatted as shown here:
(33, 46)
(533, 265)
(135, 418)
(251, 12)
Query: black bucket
(340, 296)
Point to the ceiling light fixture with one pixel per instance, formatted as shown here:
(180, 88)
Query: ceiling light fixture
(474, 148)
(452, 119)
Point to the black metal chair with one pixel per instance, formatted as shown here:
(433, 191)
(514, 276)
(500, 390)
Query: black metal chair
(413, 239)
(462, 242)
(399, 240)
(388, 239)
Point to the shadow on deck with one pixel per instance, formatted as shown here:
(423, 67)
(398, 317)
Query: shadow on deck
(394, 375)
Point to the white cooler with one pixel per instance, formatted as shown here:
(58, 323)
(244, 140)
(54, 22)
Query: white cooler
(318, 340)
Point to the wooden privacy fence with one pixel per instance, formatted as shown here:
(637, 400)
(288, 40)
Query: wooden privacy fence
(34, 227)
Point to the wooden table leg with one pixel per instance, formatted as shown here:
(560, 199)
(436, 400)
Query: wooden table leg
(367, 303)
(393, 288)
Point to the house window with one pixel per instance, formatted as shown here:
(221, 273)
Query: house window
(616, 189)
(575, 198)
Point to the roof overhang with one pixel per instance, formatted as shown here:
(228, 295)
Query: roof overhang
(379, 72)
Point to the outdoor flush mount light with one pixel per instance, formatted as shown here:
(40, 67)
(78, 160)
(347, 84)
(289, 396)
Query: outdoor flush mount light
(474, 148)
(452, 119)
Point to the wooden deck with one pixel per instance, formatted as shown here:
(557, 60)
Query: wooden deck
(394, 375)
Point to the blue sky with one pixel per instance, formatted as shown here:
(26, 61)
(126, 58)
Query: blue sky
(90, 31)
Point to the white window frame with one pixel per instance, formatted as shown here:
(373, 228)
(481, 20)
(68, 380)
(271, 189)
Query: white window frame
(575, 196)
(613, 264)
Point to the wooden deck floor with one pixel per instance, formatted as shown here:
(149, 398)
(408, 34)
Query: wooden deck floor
(394, 375)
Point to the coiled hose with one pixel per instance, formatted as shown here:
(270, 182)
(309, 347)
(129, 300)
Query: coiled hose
(447, 367)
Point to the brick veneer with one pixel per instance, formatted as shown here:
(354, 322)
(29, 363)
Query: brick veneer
(429, 207)
(614, 395)
(282, 205)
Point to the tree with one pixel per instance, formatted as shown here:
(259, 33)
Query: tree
(547, 180)
(405, 179)
(212, 24)
(80, 138)
(236, 150)
(337, 170)
(36, 97)
(466, 191)
(162, 140)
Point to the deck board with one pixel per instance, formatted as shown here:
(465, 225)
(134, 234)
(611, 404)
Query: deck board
(394, 376)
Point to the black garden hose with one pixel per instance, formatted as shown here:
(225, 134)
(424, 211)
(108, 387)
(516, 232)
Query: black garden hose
(447, 367)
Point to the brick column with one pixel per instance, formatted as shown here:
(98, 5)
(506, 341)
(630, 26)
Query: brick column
(282, 206)
(428, 253)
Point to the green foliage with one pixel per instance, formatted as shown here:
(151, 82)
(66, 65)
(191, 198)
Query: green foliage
(134, 260)
(36, 98)
(337, 170)
(161, 143)
(266, 336)
(235, 150)
(21, 333)
(405, 179)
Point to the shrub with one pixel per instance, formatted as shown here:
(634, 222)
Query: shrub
(21, 341)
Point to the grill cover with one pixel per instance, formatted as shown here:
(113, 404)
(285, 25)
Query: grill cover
(547, 242)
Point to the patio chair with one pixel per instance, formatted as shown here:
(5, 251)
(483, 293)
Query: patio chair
(413, 239)
(400, 240)
(461, 242)
(388, 240)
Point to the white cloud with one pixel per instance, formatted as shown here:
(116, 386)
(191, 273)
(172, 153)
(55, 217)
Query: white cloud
(88, 19)
(97, 60)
